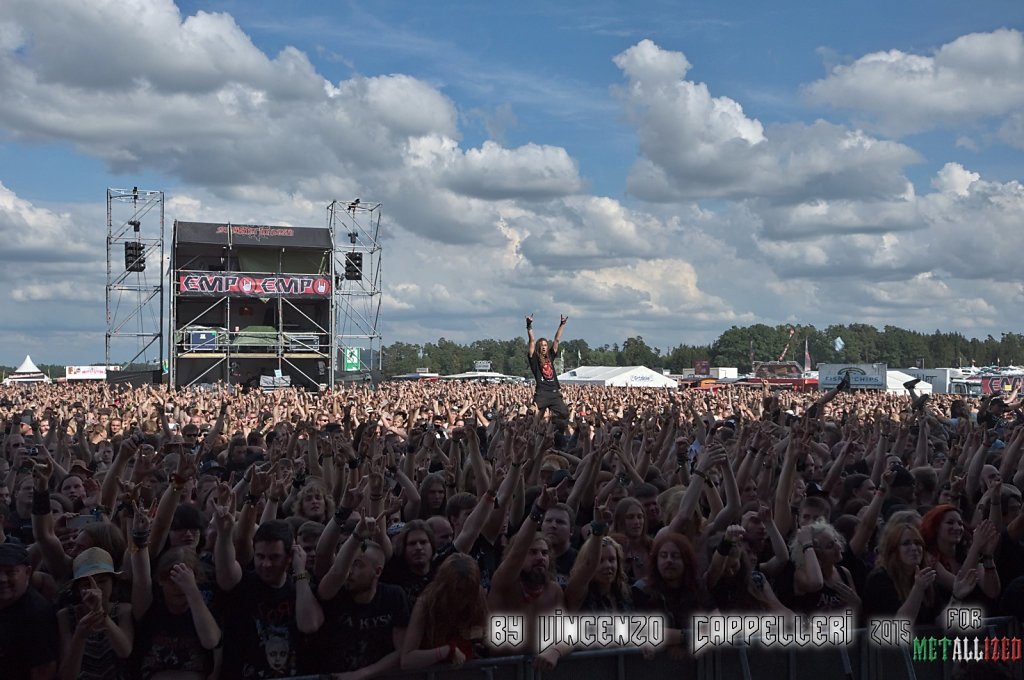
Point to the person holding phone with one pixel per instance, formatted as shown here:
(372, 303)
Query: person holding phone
(541, 355)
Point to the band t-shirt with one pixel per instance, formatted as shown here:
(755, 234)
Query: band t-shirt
(544, 372)
(261, 637)
(357, 635)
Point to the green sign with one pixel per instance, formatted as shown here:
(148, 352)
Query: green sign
(351, 359)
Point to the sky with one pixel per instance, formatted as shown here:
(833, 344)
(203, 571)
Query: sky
(652, 168)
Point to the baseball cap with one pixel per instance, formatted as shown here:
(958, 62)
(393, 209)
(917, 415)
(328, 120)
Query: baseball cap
(14, 555)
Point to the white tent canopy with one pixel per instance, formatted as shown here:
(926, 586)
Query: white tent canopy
(617, 376)
(26, 373)
(894, 383)
(488, 376)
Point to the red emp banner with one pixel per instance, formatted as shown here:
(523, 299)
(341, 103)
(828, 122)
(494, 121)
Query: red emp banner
(999, 384)
(237, 284)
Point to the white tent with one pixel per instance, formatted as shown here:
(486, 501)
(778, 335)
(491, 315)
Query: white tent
(484, 376)
(894, 383)
(617, 376)
(26, 373)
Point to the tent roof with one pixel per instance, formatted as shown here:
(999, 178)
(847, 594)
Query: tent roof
(894, 383)
(481, 375)
(639, 375)
(27, 366)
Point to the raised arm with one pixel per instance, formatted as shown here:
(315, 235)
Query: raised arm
(558, 335)
(531, 343)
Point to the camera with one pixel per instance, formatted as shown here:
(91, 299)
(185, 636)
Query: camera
(33, 451)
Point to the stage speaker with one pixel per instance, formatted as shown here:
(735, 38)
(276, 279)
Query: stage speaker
(134, 256)
(353, 266)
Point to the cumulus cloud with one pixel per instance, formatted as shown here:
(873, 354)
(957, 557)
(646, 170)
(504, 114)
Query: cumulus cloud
(695, 146)
(975, 76)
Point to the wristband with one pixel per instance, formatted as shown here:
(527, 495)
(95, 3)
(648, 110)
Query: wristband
(537, 515)
(140, 538)
(342, 514)
(298, 482)
(807, 546)
(724, 548)
(99, 510)
(251, 499)
(354, 463)
(302, 577)
(41, 502)
(598, 528)
(700, 473)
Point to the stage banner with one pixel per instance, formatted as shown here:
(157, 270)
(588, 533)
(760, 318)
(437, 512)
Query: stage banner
(241, 284)
(252, 235)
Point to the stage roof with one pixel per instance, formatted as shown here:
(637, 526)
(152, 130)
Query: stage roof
(251, 235)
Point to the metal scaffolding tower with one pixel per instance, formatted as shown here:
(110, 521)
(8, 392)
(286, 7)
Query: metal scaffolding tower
(357, 340)
(135, 285)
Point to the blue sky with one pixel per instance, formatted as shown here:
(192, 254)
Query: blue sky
(656, 168)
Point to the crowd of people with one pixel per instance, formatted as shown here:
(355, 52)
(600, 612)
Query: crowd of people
(157, 533)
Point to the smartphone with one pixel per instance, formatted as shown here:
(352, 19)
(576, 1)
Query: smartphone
(81, 521)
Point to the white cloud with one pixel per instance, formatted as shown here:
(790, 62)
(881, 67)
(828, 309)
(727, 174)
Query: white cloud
(975, 76)
(697, 146)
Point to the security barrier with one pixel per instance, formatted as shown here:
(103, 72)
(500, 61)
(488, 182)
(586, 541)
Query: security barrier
(862, 660)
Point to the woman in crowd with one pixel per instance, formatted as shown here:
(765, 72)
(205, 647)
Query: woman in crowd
(819, 582)
(449, 621)
(96, 634)
(176, 630)
(903, 585)
(598, 582)
(949, 551)
(630, 529)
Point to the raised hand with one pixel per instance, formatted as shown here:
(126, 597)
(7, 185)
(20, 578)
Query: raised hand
(964, 583)
(924, 578)
(183, 577)
(298, 559)
(564, 319)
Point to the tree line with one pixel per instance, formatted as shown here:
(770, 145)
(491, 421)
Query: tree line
(738, 346)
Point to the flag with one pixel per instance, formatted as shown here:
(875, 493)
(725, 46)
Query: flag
(807, 357)
(751, 352)
(839, 344)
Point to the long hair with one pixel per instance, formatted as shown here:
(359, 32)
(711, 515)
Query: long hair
(433, 479)
(453, 602)
(692, 587)
(620, 587)
(313, 485)
(930, 524)
(622, 508)
(414, 525)
(902, 575)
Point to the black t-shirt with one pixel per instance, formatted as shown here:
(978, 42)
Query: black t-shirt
(487, 557)
(260, 634)
(28, 635)
(563, 566)
(356, 635)
(166, 641)
(882, 599)
(544, 373)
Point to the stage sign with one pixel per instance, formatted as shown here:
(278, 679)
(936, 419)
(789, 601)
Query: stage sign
(252, 235)
(88, 372)
(238, 284)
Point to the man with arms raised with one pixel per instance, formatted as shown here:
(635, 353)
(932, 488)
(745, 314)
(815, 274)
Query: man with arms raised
(541, 357)
(365, 619)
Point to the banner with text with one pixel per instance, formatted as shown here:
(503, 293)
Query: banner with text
(239, 284)
(862, 376)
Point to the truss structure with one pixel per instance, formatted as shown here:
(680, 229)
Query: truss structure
(135, 299)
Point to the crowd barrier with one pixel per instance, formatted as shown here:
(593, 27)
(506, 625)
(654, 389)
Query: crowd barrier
(862, 660)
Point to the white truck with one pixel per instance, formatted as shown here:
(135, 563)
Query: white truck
(948, 380)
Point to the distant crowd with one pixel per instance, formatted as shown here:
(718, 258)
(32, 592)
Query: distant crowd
(152, 533)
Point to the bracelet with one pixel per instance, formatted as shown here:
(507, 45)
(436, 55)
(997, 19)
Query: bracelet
(537, 515)
(807, 546)
(251, 499)
(354, 463)
(302, 577)
(274, 499)
(724, 548)
(140, 538)
(138, 548)
(700, 473)
(598, 528)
